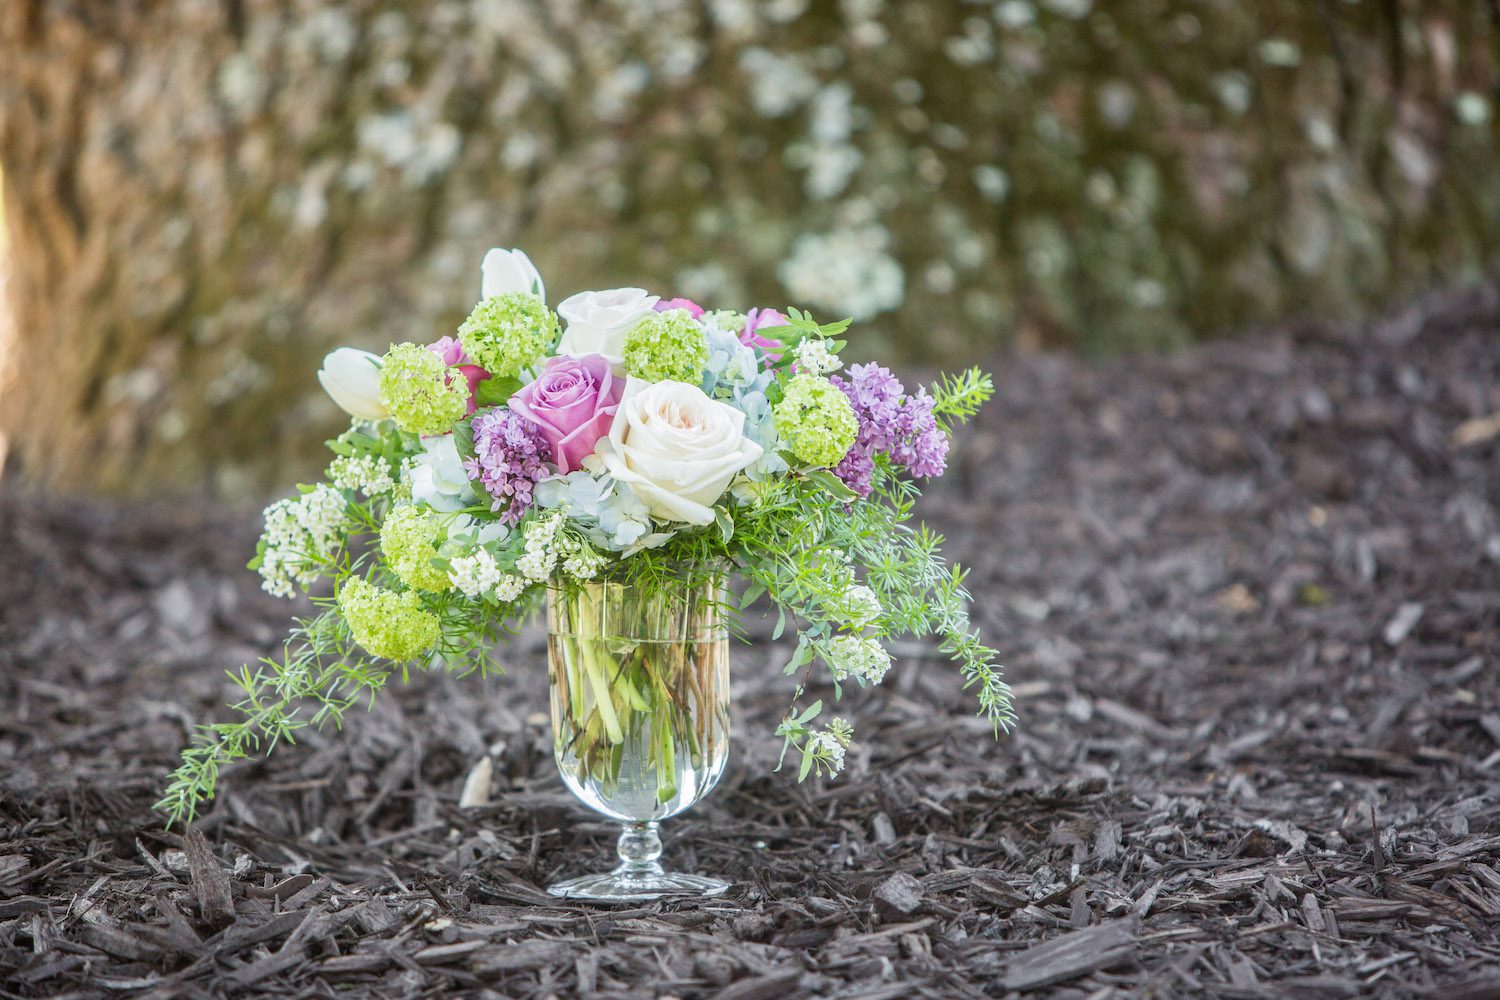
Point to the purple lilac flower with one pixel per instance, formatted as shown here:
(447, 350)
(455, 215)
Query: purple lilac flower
(890, 423)
(509, 459)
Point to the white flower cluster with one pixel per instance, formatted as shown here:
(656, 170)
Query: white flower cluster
(474, 575)
(859, 657)
(300, 534)
(479, 575)
(828, 746)
(859, 607)
(541, 554)
(814, 357)
(509, 588)
(365, 474)
(583, 562)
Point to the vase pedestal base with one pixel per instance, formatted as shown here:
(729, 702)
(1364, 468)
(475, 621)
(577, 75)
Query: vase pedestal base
(628, 886)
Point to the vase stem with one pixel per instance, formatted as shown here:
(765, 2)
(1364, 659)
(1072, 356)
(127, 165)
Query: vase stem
(639, 847)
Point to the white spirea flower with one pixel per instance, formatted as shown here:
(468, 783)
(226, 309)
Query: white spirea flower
(508, 588)
(367, 474)
(859, 606)
(541, 554)
(299, 533)
(582, 561)
(814, 357)
(829, 752)
(859, 657)
(474, 575)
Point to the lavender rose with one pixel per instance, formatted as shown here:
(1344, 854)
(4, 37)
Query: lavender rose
(573, 401)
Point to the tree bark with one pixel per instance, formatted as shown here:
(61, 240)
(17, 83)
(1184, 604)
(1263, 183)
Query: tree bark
(203, 196)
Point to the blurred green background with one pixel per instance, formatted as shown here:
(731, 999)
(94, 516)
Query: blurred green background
(203, 197)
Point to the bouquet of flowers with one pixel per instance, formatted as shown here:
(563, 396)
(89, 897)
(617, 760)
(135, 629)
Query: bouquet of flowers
(624, 438)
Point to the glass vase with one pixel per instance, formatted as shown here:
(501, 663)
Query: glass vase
(639, 680)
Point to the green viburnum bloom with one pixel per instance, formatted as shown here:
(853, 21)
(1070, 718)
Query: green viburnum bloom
(666, 346)
(423, 394)
(506, 333)
(408, 540)
(386, 623)
(815, 420)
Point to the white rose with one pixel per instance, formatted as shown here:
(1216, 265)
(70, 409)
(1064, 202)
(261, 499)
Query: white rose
(676, 449)
(438, 477)
(352, 378)
(598, 321)
(510, 271)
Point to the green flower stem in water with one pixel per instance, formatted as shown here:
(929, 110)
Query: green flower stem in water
(640, 696)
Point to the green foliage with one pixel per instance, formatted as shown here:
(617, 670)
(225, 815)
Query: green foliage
(957, 398)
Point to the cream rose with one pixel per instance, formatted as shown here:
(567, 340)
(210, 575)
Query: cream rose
(676, 449)
(598, 321)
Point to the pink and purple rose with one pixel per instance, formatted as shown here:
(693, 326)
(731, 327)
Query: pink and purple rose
(452, 353)
(757, 320)
(573, 402)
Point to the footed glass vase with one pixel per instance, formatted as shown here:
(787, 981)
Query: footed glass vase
(640, 717)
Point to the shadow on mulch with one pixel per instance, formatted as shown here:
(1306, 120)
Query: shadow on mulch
(1248, 594)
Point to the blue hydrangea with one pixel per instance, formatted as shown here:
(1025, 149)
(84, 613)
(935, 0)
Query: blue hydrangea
(624, 518)
(731, 365)
(612, 516)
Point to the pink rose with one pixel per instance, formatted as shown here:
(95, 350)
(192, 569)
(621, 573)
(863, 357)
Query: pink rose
(573, 401)
(693, 309)
(452, 353)
(756, 320)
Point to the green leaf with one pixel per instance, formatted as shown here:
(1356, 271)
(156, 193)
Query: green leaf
(780, 624)
(833, 484)
(463, 439)
(800, 657)
(495, 391)
(725, 523)
(806, 768)
(774, 393)
(810, 712)
(751, 595)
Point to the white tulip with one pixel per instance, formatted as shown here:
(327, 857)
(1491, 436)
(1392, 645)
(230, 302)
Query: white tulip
(352, 378)
(599, 321)
(510, 271)
(676, 449)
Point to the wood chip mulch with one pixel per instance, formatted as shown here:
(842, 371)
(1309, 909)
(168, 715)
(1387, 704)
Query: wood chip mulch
(1248, 593)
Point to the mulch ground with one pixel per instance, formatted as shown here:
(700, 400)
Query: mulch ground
(1248, 595)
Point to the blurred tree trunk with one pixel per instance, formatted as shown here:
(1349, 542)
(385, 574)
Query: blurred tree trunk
(203, 196)
(180, 255)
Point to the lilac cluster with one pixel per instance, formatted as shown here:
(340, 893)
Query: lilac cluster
(509, 458)
(890, 423)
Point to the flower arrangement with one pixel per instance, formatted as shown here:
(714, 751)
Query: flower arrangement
(623, 438)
